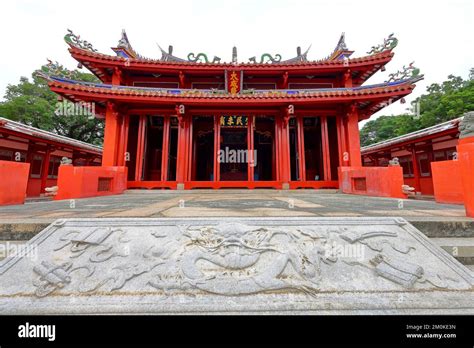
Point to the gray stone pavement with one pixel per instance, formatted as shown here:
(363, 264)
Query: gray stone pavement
(222, 203)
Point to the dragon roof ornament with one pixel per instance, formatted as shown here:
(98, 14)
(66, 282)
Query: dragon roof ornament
(388, 44)
(407, 72)
(201, 57)
(54, 69)
(75, 40)
(266, 58)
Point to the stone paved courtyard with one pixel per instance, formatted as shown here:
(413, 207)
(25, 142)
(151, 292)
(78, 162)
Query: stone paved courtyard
(222, 203)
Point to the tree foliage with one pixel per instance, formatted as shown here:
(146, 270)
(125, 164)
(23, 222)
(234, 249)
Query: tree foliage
(442, 102)
(32, 103)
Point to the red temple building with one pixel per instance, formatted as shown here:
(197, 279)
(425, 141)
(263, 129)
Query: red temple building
(43, 151)
(416, 152)
(183, 122)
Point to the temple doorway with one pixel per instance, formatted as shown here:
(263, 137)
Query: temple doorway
(233, 154)
(313, 150)
(203, 149)
(264, 149)
(154, 148)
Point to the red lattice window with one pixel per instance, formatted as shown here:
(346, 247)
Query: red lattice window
(104, 184)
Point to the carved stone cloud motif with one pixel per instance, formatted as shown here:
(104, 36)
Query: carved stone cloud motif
(230, 265)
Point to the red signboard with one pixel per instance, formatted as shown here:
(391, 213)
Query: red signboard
(233, 81)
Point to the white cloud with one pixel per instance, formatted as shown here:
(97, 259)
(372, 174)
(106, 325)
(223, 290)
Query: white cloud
(437, 35)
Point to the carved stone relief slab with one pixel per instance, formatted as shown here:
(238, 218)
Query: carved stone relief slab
(234, 265)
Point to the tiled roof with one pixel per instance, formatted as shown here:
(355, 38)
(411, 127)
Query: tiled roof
(413, 136)
(183, 94)
(42, 134)
(299, 64)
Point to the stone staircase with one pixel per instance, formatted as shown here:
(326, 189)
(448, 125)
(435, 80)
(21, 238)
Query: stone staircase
(461, 248)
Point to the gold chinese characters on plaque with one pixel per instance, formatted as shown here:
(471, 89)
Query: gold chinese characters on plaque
(233, 81)
(234, 121)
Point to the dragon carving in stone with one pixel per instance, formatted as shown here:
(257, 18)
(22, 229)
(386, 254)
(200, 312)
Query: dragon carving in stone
(227, 258)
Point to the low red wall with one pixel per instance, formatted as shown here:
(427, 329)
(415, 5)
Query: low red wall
(13, 182)
(466, 165)
(81, 182)
(447, 182)
(372, 181)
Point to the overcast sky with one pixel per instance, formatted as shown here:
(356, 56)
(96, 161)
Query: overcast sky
(437, 35)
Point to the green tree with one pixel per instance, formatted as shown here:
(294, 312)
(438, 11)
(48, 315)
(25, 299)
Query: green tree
(387, 127)
(32, 103)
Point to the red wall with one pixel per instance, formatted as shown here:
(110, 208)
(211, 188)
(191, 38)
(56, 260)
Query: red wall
(447, 182)
(13, 182)
(378, 181)
(80, 182)
(466, 164)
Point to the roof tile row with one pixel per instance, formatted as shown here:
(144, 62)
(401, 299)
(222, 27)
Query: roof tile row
(102, 56)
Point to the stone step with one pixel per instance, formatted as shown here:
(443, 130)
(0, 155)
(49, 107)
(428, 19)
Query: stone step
(457, 247)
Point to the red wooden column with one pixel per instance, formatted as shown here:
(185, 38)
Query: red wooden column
(123, 143)
(301, 157)
(190, 147)
(111, 135)
(284, 149)
(353, 136)
(182, 147)
(250, 148)
(140, 148)
(165, 147)
(119, 140)
(325, 145)
(341, 140)
(45, 169)
(277, 147)
(217, 143)
(126, 125)
(118, 153)
(416, 170)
